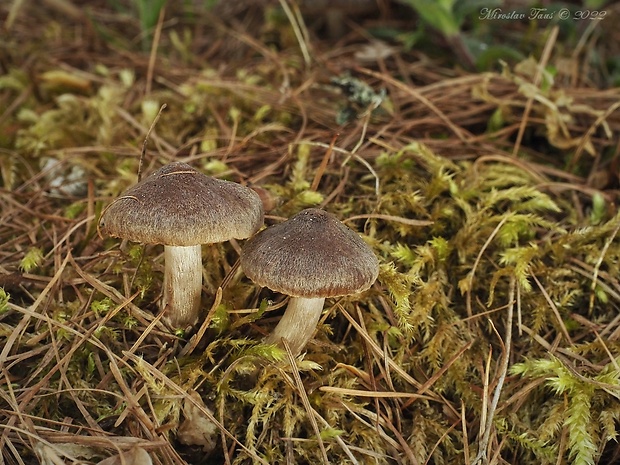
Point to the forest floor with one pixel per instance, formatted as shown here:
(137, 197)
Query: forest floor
(476, 152)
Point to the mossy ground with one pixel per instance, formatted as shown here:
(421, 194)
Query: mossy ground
(490, 197)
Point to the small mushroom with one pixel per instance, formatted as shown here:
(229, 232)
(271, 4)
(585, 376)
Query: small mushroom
(309, 257)
(181, 208)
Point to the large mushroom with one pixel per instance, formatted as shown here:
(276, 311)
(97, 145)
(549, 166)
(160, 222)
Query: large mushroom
(309, 257)
(181, 208)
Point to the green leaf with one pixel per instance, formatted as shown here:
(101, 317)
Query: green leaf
(439, 15)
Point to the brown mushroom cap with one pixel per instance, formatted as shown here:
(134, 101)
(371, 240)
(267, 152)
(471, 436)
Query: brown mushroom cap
(310, 255)
(178, 205)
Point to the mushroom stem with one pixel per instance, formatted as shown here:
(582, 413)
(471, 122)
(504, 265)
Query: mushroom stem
(298, 323)
(182, 285)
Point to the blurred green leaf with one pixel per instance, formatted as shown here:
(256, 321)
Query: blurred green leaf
(439, 15)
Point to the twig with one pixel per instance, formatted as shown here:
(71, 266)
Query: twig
(146, 139)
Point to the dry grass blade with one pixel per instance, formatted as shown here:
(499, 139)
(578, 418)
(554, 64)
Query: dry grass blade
(433, 379)
(472, 272)
(457, 131)
(552, 305)
(377, 350)
(599, 263)
(304, 399)
(539, 73)
(299, 28)
(324, 161)
(176, 388)
(483, 452)
(380, 394)
(153, 54)
(33, 308)
(398, 219)
(196, 338)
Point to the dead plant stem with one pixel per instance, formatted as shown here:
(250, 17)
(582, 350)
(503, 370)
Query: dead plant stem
(304, 399)
(599, 262)
(482, 457)
(153, 54)
(544, 59)
(470, 276)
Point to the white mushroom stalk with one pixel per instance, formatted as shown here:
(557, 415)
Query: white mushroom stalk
(182, 284)
(298, 323)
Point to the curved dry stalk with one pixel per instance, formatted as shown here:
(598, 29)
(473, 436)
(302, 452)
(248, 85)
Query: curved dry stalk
(482, 456)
